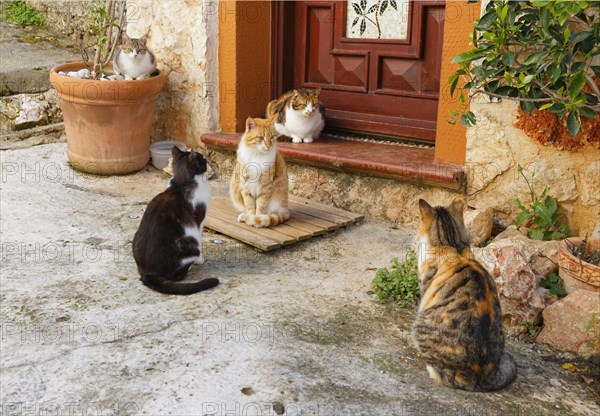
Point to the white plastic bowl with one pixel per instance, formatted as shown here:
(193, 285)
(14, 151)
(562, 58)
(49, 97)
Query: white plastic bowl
(161, 152)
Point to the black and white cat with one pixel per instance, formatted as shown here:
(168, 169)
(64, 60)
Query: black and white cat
(134, 60)
(169, 238)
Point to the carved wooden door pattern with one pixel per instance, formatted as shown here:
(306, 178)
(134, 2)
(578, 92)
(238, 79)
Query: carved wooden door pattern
(383, 86)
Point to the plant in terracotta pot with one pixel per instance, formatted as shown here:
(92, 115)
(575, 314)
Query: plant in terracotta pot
(579, 263)
(107, 122)
(544, 54)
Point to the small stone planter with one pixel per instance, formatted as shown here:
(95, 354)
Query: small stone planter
(576, 273)
(108, 123)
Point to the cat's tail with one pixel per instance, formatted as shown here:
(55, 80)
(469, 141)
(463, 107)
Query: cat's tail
(169, 287)
(271, 108)
(269, 220)
(506, 373)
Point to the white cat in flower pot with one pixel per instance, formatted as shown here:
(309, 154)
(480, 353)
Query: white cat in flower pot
(107, 105)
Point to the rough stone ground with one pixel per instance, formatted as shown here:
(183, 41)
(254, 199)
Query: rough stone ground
(295, 330)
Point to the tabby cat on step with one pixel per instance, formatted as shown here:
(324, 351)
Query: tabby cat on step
(300, 114)
(133, 59)
(458, 328)
(259, 185)
(169, 238)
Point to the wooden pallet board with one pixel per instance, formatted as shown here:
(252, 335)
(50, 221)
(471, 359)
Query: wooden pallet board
(308, 219)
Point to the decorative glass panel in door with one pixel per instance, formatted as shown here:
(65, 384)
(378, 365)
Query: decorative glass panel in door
(377, 19)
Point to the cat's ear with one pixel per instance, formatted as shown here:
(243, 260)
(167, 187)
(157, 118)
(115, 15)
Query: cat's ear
(295, 93)
(317, 91)
(125, 38)
(142, 39)
(250, 124)
(272, 119)
(192, 161)
(425, 209)
(175, 151)
(457, 205)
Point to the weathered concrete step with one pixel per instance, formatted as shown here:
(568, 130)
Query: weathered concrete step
(52, 133)
(27, 54)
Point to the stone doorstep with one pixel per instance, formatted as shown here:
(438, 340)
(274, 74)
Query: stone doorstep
(402, 162)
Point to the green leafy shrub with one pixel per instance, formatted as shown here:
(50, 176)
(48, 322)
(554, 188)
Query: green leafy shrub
(17, 12)
(400, 283)
(539, 52)
(553, 283)
(540, 216)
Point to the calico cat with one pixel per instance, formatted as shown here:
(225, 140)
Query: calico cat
(134, 60)
(259, 185)
(458, 328)
(169, 238)
(300, 114)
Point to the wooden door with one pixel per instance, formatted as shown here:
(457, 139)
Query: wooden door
(381, 86)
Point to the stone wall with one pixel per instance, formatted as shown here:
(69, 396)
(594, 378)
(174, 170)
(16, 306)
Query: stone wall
(183, 34)
(494, 149)
(23, 111)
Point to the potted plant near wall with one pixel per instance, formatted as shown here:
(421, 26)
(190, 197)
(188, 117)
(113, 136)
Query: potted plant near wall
(579, 263)
(544, 54)
(107, 121)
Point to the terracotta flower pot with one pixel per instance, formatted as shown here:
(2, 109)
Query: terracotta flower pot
(576, 273)
(108, 123)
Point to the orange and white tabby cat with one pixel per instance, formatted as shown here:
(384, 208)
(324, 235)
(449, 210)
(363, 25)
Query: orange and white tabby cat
(259, 185)
(300, 114)
(458, 328)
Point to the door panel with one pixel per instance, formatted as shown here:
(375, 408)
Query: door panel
(351, 70)
(383, 86)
